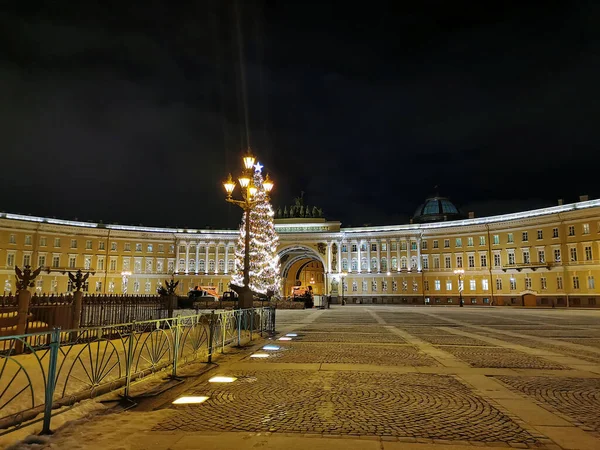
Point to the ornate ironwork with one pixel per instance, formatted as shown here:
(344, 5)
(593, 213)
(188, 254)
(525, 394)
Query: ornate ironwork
(25, 278)
(78, 280)
(63, 367)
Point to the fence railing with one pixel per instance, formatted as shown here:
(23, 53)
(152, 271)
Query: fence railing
(61, 367)
(50, 311)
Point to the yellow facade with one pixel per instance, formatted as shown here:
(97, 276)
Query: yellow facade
(551, 254)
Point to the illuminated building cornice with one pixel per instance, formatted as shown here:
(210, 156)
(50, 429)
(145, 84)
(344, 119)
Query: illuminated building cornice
(291, 227)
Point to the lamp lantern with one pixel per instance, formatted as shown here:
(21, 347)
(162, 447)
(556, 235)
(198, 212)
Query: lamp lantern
(244, 181)
(229, 185)
(249, 160)
(268, 184)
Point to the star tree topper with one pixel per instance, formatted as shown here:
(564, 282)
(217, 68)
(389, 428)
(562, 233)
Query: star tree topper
(258, 167)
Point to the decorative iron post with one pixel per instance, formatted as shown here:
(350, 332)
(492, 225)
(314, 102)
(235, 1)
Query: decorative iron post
(24, 279)
(51, 381)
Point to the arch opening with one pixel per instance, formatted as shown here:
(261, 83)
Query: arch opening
(302, 266)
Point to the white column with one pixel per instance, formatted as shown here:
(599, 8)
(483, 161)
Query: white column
(177, 257)
(197, 256)
(398, 247)
(217, 257)
(206, 260)
(389, 259)
(369, 256)
(339, 267)
(187, 257)
(358, 253)
(329, 244)
(226, 256)
(408, 266)
(419, 254)
(378, 255)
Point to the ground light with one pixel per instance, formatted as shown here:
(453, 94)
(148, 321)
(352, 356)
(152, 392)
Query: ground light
(190, 399)
(285, 338)
(222, 380)
(271, 347)
(291, 335)
(259, 355)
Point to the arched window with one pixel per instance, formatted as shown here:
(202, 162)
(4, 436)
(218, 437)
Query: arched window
(384, 266)
(221, 266)
(394, 263)
(201, 265)
(230, 265)
(345, 264)
(413, 262)
(403, 262)
(181, 265)
(354, 264)
(211, 265)
(373, 263)
(364, 265)
(192, 265)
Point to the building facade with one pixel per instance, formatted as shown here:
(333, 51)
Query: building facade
(544, 257)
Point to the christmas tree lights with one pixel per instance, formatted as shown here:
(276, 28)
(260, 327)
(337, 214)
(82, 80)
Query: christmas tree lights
(264, 261)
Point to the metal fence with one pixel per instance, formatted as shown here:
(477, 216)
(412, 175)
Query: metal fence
(61, 367)
(47, 312)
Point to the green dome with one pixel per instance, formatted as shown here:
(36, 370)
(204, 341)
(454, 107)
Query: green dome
(436, 209)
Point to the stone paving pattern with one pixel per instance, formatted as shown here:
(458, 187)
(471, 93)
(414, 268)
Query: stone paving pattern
(378, 404)
(501, 357)
(578, 398)
(451, 339)
(388, 399)
(551, 344)
(336, 353)
(352, 337)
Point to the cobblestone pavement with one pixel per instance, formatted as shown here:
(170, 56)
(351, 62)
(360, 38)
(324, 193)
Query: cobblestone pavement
(500, 357)
(387, 338)
(415, 390)
(578, 398)
(335, 328)
(451, 339)
(551, 344)
(557, 333)
(383, 355)
(353, 403)
(592, 342)
(337, 318)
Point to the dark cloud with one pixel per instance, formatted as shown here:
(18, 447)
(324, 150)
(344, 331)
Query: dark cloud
(135, 113)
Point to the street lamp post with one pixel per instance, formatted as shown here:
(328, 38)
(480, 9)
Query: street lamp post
(247, 203)
(343, 276)
(460, 273)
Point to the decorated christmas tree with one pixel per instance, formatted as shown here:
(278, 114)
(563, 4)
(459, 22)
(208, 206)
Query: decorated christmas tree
(264, 261)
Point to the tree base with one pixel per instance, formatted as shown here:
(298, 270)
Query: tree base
(245, 296)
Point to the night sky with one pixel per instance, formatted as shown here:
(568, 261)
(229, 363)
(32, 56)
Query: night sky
(135, 114)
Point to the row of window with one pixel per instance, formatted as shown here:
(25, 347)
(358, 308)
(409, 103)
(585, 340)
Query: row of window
(202, 265)
(437, 284)
(89, 244)
(458, 243)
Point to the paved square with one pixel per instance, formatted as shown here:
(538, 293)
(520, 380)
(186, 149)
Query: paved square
(377, 404)
(399, 376)
(578, 398)
(382, 355)
(383, 337)
(452, 339)
(500, 357)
